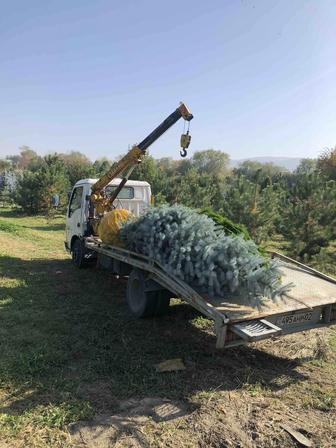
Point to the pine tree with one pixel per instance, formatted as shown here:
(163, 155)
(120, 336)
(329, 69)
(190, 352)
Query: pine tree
(308, 214)
(35, 189)
(249, 204)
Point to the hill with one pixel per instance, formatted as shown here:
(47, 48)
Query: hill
(290, 163)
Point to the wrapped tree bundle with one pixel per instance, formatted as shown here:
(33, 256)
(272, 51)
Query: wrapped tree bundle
(190, 246)
(110, 225)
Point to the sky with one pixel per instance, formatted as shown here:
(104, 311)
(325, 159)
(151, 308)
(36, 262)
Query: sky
(97, 76)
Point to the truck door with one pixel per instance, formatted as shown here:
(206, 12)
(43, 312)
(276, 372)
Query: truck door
(74, 222)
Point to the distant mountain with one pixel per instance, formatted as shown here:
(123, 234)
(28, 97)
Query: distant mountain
(290, 163)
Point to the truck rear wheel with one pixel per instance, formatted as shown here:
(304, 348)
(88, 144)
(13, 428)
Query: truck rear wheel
(144, 303)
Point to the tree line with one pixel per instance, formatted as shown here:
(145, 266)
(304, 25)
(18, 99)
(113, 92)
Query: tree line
(296, 210)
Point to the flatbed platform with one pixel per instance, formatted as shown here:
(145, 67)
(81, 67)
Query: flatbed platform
(310, 302)
(308, 291)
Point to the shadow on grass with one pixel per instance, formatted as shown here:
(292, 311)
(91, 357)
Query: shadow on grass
(66, 334)
(18, 213)
(11, 212)
(49, 227)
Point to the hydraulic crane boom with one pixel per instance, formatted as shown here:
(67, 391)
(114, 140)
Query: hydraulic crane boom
(98, 198)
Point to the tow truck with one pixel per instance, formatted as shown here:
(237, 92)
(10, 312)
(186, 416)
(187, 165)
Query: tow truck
(311, 303)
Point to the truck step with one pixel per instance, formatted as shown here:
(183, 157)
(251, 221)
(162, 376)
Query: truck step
(255, 330)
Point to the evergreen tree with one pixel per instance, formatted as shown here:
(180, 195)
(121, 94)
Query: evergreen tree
(77, 166)
(101, 166)
(35, 188)
(308, 217)
(327, 163)
(247, 203)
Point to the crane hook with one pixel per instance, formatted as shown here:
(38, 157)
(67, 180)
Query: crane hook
(184, 142)
(183, 152)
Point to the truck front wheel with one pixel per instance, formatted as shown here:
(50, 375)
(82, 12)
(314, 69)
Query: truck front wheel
(78, 254)
(144, 303)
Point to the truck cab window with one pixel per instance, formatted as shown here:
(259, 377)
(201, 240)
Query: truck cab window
(125, 192)
(76, 200)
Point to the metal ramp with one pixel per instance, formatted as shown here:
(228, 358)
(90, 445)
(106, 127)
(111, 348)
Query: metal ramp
(255, 330)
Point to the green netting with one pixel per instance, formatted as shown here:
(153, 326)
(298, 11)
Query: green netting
(229, 227)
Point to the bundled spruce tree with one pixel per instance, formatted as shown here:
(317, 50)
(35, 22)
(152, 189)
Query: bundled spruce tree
(191, 246)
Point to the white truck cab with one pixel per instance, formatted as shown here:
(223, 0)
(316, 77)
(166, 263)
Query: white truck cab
(135, 196)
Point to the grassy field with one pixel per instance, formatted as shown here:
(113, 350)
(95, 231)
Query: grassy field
(77, 371)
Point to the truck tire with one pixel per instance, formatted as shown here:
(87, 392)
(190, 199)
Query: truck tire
(78, 254)
(142, 303)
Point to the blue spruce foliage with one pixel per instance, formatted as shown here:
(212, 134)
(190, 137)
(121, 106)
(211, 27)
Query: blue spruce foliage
(192, 247)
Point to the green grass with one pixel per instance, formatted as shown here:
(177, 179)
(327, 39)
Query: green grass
(70, 350)
(10, 227)
(47, 416)
(323, 399)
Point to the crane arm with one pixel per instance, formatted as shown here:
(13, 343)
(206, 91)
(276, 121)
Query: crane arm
(131, 159)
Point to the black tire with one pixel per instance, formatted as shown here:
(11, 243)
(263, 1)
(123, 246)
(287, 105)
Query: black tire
(78, 254)
(142, 303)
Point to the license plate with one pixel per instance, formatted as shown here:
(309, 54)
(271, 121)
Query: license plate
(294, 319)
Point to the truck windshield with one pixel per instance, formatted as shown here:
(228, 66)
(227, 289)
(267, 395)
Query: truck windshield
(125, 193)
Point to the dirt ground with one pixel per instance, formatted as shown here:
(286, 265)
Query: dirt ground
(251, 416)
